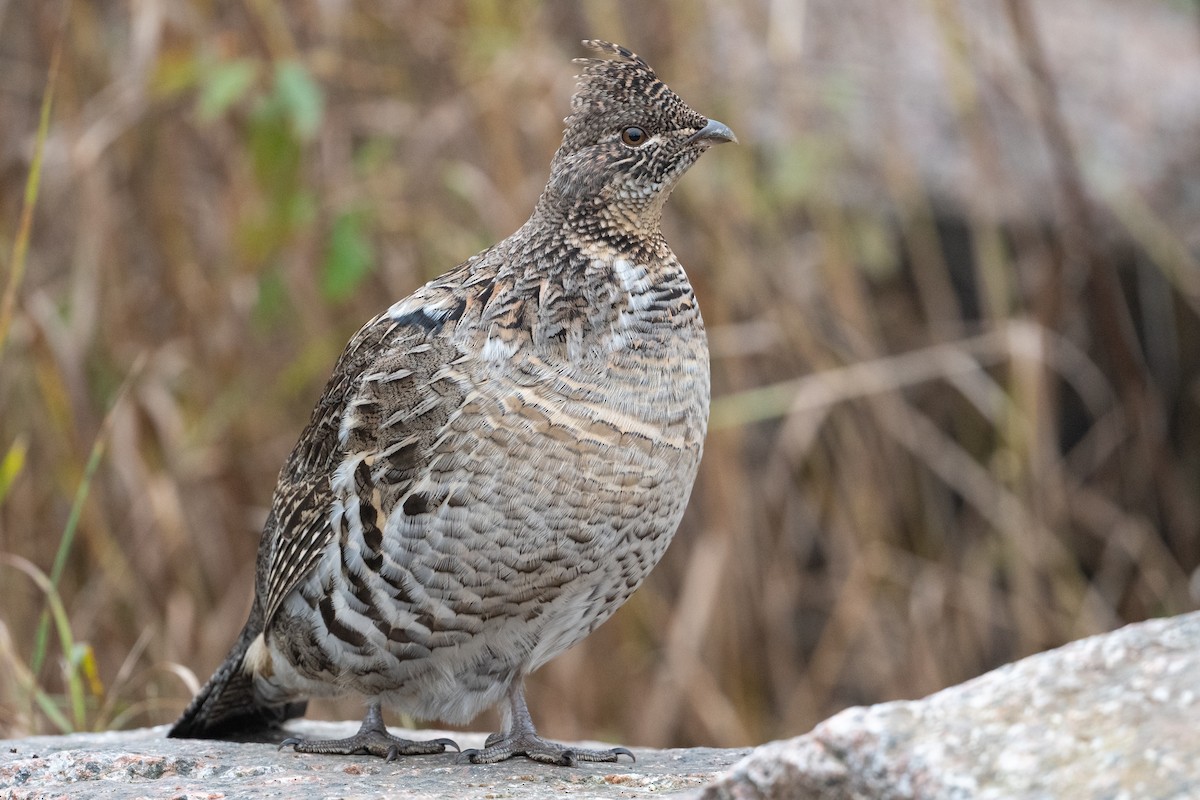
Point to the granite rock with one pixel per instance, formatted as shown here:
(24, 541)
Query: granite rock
(144, 763)
(1112, 716)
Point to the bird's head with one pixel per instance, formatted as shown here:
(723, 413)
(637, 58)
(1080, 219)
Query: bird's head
(628, 139)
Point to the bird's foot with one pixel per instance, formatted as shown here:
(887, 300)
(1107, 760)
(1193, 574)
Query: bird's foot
(372, 742)
(501, 746)
(372, 739)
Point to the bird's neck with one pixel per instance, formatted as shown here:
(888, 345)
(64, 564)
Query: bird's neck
(587, 238)
(589, 217)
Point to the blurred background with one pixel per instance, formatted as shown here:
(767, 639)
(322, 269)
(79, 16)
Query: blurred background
(951, 277)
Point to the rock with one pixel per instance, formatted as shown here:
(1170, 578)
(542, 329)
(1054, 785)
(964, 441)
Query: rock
(1111, 716)
(872, 93)
(144, 763)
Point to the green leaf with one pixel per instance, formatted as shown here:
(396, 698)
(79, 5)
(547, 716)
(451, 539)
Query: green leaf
(20, 245)
(301, 209)
(300, 97)
(349, 258)
(11, 466)
(227, 83)
(274, 149)
(273, 300)
(176, 71)
(85, 659)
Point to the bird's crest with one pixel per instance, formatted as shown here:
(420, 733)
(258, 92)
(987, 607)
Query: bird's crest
(601, 46)
(626, 78)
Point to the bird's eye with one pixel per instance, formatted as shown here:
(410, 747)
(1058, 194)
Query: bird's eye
(634, 136)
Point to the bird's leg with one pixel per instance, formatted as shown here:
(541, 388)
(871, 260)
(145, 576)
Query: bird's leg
(372, 739)
(520, 739)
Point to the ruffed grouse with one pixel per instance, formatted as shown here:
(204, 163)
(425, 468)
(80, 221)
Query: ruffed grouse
(498, 460)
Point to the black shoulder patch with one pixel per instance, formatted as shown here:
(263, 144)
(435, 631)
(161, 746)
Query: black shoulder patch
(432, 322)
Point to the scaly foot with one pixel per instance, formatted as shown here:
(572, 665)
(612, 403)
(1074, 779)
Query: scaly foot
(501, 746)
(372, 739)
(520, 739)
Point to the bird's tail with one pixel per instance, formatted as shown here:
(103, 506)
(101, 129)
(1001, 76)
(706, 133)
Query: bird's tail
(228, 706)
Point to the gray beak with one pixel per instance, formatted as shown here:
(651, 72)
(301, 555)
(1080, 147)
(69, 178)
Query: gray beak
(714, 132)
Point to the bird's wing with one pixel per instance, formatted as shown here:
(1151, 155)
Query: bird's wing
(380, 404)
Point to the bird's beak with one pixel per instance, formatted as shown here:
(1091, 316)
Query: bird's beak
(714, 133)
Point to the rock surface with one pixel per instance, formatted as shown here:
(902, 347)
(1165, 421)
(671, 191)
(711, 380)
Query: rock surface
(144, 763)
(1113, 716)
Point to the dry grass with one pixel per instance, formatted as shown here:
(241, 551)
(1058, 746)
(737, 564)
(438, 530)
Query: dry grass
(943, 436)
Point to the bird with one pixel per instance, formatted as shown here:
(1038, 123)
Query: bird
(497, 461)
